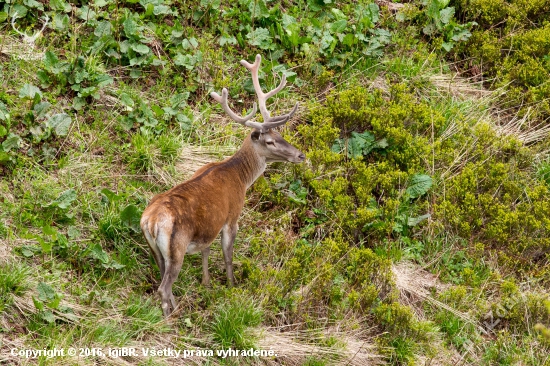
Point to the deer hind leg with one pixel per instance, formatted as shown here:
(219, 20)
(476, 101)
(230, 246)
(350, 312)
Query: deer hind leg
(229, 232)
(154, 248)
(173, 268)
(205, 274)
(172, 253)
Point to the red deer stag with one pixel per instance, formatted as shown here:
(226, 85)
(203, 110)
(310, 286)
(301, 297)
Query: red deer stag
(188, 217)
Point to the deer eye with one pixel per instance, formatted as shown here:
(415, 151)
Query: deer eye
(270, 142)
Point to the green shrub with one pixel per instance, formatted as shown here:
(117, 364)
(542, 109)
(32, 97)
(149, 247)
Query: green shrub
(511, 44)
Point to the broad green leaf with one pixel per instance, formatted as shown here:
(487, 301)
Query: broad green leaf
(126, 100)
(60, 123)
(98, 253)
(126, 123)
(86, 13)
(4, 114)
(38, 304)
(338, 26)
(3, 16)
(34, 4)
(419, 185)
(11, 142)
(189, 43)
(60, 5)
(413, 221)
(355, 147)
(161, 9)
(3, 131)
(130, 217)
(130, 27)
(78, 103)
(447, 46)
(103, 29)
(54, 304)
(446, 15)
(40, 109)
(140, 48)
(64, 200)
(50, 61)
(258, 9)
(45, 292)
(110, 195)
(288, 20)
(73, 232)
(48, 316)
(103, 80)
(179, 100)
(29, 91)
(19, 9)
(227, 39)
(261, 38)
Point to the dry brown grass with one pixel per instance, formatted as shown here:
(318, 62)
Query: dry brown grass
(294, 347)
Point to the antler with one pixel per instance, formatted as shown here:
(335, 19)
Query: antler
(269, 122)
(26, 38)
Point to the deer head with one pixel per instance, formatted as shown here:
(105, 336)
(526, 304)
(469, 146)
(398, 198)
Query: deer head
(267, 142)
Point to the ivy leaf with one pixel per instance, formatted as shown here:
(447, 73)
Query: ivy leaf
(60, 123)
(419, 185)
(130, 217)
(29, 91)
(45, 292)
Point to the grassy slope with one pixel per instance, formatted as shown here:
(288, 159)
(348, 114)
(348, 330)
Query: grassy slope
(86, 254)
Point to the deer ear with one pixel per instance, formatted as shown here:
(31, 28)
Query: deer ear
(255, 135)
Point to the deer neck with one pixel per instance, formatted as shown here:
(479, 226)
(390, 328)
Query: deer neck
(249, 164)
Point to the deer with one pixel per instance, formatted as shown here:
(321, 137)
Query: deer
(187, 218)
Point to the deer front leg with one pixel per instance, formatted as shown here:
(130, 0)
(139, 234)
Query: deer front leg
(205, 274)
(229, 232)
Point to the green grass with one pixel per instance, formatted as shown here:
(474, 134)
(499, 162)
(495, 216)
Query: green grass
(232, 321)
(13, 282)
(318, 242)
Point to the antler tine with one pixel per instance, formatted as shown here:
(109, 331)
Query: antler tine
(14, 16)
(27, 38)
(222, 99)
(279, 120)
(263, 97)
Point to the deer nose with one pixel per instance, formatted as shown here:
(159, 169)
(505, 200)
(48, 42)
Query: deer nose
(301, 157)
